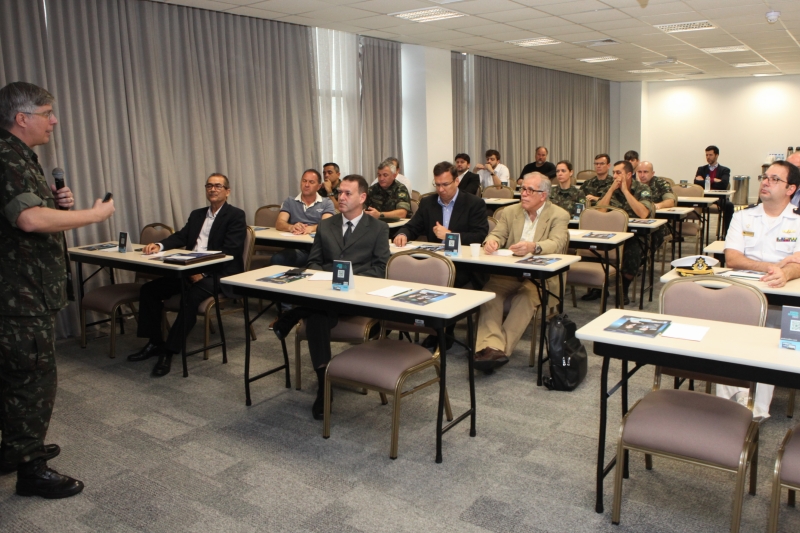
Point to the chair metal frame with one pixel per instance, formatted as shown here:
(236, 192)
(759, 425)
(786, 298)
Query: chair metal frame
(778, 485)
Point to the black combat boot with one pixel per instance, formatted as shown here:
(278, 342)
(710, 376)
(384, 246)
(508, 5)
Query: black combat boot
(34, 478)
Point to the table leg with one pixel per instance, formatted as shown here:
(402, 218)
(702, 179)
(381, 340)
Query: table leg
(545, 299)
(561, 292)
(625, 409)
(219, 321)
(246, 351)
(646, 245)
(442, 388)
(601, 440)
(183, 327)
(652, 265)
(471, 367)
(603, 297)
(680, 242)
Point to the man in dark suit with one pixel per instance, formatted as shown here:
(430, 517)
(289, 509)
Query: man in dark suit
(348, 236)
(449, 211)
(467, 181)
(719, 178)
(217, 227)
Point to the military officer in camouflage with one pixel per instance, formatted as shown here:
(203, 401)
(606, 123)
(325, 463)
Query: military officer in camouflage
(566, 195)
(635, 199)
(660, 191)
(388, 197)
(34, 274)
(595, 188)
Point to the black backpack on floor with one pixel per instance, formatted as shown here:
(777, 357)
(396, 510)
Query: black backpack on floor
(568, 362)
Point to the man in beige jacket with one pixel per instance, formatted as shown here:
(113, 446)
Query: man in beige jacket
(534, 226)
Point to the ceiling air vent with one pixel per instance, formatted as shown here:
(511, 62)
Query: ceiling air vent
(428, 14)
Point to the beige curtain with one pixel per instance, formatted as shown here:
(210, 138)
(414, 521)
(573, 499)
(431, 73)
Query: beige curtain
(514, 108)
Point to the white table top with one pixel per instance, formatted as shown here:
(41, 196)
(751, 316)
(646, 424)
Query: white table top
(729, 192)
(577, 235)
(501, 201)
(716, 247)
(501, 260)
(792, 288)
(657, 222)
(133, 258)
(696, 200)
(731, 343)
(275, 235)
(463, 300)
(675, 211)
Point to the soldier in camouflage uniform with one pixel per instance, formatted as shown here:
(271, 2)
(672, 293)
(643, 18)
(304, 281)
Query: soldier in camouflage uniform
(34, 275)
(564, 194)
(635, 199)
(661, 194)
(388, 197)
(595, 188)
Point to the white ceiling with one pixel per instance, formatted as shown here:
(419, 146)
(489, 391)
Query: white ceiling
(631, 22)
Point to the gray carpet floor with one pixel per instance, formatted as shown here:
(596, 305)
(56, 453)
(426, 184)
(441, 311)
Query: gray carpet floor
(175, 454)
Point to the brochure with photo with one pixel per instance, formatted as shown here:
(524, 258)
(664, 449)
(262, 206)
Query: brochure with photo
(538, 260)
(283, 277)
(642, 327)
(643, 220)
(598, 235)
(423, 297)
(97, 247)
(432, 247)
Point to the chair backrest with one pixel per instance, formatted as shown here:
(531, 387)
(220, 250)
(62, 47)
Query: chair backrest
(668, 180)
(497, 212)
(414, 206)
(267, 215)
(585, 175)
(155, 232)
(492, 223)
(722, 299)
(421, 266)
(498, 192)
(426, 195)
(604, 219)
(692, 190)
(479, 192)
(249, 247)
(415, 195)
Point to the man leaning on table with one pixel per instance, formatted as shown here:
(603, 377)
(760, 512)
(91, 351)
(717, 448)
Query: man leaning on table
(387, 197)
(348, 236)
(449, 210)
(219, 227)
(534, 226)
(766, 237)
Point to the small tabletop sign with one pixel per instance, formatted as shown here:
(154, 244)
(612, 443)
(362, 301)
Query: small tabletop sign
(790, 327)
(124, 244)
(342, 275)
(578, 210)
(452, 244)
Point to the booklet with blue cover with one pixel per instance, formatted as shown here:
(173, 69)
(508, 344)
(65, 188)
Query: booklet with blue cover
(642, 327)
(283, 277)
(423, 297)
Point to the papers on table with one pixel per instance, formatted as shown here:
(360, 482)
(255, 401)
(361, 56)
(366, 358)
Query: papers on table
(289, 234)
(503, 252)
(391, 291)
(744, 274)
(114, 248)
(406, 247)
(685, 332)
(155, 255)
(321, 276)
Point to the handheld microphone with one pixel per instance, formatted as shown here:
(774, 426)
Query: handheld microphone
(58, 176)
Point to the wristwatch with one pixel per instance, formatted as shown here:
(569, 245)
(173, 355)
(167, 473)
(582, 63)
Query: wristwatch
(381, 215)
(537, 250)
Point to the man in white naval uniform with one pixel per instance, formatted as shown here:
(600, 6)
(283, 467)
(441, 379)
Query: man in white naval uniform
(766, 237)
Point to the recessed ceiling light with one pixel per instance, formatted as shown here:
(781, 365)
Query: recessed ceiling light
(765, 75)
(429, 14)
(685, 26)
(725, 49)
(601, 59)
(541, 41)
(665, 61)
(646, 71)
(755, 64)
(598, 42)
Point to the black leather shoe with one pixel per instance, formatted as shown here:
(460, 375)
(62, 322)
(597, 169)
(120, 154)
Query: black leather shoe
(50, 451)
(281, 328)
(626, 300)
(149, 350)
(36, 479)
(163, 365)
(593, 294)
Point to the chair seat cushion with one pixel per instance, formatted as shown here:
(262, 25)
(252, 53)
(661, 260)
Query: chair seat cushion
(348, 328)
(691, 424)
(589, 274)
(378, 363)
(790, 466)
(104, 299)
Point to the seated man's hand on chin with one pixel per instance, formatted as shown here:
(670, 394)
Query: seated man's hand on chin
(775, 277)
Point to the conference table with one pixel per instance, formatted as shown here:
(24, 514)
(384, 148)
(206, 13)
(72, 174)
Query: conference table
(135, 261)
(578, 239)
(492, 204)
(736, 351)
(266, 236)
(509, 265)
(675, 217)
(704, 204)
(358, 302)
(716, 249)
(724, 198)
(789, 294)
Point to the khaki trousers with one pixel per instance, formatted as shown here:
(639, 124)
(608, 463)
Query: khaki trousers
(493, 331)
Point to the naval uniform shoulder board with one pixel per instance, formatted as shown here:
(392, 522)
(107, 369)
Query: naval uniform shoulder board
(796, 210)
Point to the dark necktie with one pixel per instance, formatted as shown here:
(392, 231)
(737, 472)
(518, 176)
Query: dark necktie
(348, 232)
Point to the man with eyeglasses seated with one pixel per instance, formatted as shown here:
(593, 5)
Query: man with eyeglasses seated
(636, 199)
(450, 210)
(219, 227)
(534, 226)
(301, 215)
(765, 237)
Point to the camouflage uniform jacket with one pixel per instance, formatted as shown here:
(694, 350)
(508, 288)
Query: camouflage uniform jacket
(641, 192)
(596, 187)
(567, 198)
(33, 266)
(661, 190)
(394, 197)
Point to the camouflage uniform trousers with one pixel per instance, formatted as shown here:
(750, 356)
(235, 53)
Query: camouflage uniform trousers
(27, 384)
(632, 256)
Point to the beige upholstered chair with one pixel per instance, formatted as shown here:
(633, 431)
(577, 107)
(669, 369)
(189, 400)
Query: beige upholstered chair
(693, 224)
(266, 216)
(108, 299)
(415, 195)
(414, 207)
(592, 274)
(668, 180)
(585, 175)
(227, 305)
(497, 212)
(492, 223)
(787, 475)
(385, 365)
(498, 192)
(426, 195)
(690, 426)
